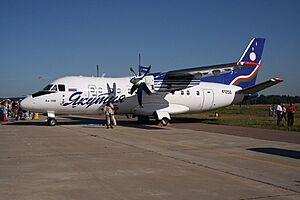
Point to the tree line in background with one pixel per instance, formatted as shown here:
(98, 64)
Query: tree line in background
(274, 99)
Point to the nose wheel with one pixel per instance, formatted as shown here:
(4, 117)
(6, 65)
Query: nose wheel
(51, 121)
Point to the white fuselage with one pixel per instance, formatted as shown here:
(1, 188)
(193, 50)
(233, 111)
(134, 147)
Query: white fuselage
(87, 95)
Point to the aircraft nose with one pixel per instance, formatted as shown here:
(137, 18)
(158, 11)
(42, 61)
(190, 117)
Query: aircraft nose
(26, 103)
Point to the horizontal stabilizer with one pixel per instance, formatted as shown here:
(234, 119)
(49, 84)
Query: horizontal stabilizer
(261, 86)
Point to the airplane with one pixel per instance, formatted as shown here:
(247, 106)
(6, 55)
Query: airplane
(161, 94)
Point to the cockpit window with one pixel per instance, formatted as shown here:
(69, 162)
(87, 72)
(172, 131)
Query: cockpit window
(54, 88)
(48, 87)
(61, 88)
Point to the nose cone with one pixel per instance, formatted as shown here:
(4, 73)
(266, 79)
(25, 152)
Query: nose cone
(26, 104)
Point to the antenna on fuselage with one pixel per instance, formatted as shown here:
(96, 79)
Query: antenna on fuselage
(139, 63)
(97, 70)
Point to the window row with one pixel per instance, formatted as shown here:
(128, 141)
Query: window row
(187, 92)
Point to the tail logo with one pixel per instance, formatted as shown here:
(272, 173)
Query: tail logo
(252, 56)
(245, 78)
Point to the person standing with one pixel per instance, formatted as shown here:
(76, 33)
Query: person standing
(4, 112)
(270, 111)
(274, 110)
(15, 109)
(290, 114)
(109, 111)
(279, 115)
(284, 112)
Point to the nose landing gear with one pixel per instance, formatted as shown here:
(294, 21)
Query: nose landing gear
(51, 121)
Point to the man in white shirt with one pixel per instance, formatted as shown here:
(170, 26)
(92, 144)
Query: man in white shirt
(279, 114)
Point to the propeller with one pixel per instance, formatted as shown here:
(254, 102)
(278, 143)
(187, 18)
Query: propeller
(139, 84)
(112, 91)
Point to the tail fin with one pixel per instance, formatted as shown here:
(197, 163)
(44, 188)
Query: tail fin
(246, 76)
(253, 52)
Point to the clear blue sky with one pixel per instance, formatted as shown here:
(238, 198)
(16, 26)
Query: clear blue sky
(43, 40)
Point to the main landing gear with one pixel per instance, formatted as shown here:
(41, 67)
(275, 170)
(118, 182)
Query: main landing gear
(146, 120)
(164, 121)
(163, 118)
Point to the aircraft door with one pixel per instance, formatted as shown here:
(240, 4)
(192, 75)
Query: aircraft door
(92, 91)
(208, 98)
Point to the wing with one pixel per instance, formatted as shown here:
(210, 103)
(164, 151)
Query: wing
(184, 78)
(261, 86)
(208, 70)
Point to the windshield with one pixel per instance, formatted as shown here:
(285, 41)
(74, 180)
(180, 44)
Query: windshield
(48, 87)
(54, 88)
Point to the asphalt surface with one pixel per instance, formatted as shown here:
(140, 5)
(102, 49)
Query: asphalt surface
(81, 159)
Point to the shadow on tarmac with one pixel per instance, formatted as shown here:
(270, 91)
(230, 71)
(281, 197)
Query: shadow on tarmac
(87, 122)
(278, 152)
(194, 120)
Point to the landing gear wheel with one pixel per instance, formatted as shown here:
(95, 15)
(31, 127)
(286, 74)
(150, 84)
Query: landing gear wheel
(164, 121)
(51, 122)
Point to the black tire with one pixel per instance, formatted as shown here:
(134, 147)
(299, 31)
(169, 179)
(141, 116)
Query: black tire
(164, 121)
(51, 121)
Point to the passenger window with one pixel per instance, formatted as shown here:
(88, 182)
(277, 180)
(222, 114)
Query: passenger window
(61, 88)
(54, 88)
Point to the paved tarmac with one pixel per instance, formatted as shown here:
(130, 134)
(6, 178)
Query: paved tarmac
(80, 159)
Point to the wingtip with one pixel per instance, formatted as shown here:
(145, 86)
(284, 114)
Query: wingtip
(277, 79)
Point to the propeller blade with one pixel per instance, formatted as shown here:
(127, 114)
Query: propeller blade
(108, 88)
(114, 89)
(133, 89)
(148, 70)
(145, 88)
(140, 96)
(132, 70)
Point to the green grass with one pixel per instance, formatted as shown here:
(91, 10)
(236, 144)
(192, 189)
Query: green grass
(245, 115)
